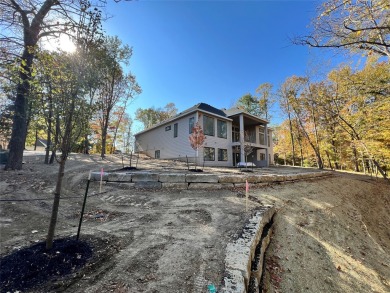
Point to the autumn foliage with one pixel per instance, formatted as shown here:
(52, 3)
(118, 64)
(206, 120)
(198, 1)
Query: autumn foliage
(340, 122)
(197, 137)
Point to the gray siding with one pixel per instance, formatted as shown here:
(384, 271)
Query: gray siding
(217, 143)
(170, 147)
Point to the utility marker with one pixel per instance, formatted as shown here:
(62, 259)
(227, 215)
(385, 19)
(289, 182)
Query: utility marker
(246, 194)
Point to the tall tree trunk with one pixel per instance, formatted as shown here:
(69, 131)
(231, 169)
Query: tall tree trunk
(292, 139)
(300, 147)
(319, 160)
(363, 163)
(302, 160)
(56, 139)
(104, 141)
(56, 204)
(329, 160)
(104, 135)
(86, 144)
(65, 148)
(31, 30)
(316, 151)
(19, 126)
(355, 158)
(336, 164)
(36, 139)
(49, 129)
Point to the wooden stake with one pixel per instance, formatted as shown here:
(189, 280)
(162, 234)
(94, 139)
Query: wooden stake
(101, 180)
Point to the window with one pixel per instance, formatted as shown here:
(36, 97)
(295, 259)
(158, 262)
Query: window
(262, 157)
(157, 154)
(268, 140)
(191, 124)
(209, 154)
(261, 136)
(208, 125)
(175, 128)
(167, 128)
(236, 134)
(222, 155)
(221, 129)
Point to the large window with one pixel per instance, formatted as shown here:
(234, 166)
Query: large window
(209, 154)
(222, 155)
(261, 136)
(175, 128)
(221, 129)
(191, 124)
(208, 125)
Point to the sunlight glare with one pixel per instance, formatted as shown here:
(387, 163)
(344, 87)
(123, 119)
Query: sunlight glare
(62, 43)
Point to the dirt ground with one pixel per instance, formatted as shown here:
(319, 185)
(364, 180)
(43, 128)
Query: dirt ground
(330, 235)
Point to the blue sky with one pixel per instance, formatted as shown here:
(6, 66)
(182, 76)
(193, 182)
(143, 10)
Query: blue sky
(187, 52)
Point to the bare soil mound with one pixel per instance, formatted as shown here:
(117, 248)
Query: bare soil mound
(330, 236)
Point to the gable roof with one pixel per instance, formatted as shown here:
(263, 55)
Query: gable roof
(208, 108)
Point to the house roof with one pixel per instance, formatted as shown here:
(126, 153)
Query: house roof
(206, 108)
(237, 111)
(203, 107)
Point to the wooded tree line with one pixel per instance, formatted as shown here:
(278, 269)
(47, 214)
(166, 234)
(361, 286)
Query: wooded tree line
(91, 83)
(67, 97)
(341, 122)
(260, 103)
(101, 91)
(152, 116)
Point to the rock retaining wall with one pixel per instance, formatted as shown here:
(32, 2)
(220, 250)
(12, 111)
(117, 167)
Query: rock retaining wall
(199, 181)
(245, 255)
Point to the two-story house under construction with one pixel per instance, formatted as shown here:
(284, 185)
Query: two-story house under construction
(232, 136)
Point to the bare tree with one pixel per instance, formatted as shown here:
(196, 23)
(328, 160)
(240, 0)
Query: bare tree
(355, 25)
